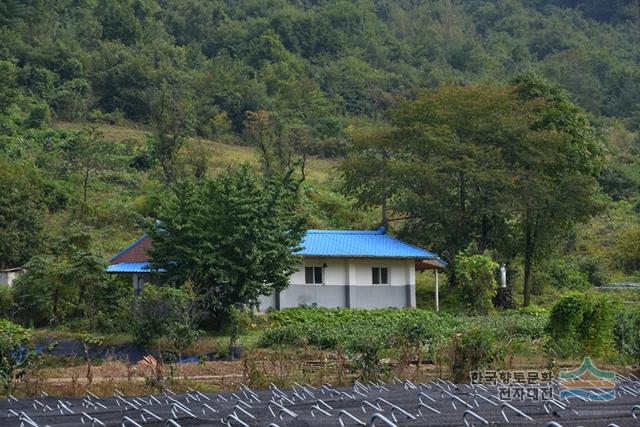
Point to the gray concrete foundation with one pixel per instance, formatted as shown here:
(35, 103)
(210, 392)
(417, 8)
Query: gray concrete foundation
(334, 296)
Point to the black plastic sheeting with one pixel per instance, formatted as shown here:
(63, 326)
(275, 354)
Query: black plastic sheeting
(443, 404)
(130, 352)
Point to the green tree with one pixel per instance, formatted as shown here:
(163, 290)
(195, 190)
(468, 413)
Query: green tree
(172, 121)
(8, 90)
(476, 276)
(126, 76)
(628, 250)
(281, 147)
(555, 171)
(509, 168)
(40, 293)
(85, 270)
(369, 174)
(13, 339)
(72, 99)
(164, 311)
(63, 284)
(232, 237)
(441, 166)
(88, 153)
(22, 211)
(118, 20)
(582, 324)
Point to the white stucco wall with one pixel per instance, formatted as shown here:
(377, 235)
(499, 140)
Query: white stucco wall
(357, 271)
(347, 282)
(335, 273)
(401, 272)
(138, 280)
(7, 277)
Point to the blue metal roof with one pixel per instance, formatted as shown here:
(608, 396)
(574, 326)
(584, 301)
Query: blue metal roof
(129, 267)
(352, 243)
(329, 243)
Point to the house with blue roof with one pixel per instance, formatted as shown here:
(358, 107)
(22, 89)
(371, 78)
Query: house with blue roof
(340, 268)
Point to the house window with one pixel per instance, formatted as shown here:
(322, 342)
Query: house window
(380, 276)
(313, 275)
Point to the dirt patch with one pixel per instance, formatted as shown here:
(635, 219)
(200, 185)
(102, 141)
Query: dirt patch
(116, 370)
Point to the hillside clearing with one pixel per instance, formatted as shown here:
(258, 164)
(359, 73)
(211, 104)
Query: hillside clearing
(218, 153)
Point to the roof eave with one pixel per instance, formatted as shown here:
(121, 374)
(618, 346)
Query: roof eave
(368, 256)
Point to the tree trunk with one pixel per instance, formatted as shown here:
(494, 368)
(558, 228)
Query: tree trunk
(385, 195)
(485, 220)
(452, 278)
(462, 192)
(484, 233)
(384, 220)
(55, 299)
(90, 309)
(234, 317)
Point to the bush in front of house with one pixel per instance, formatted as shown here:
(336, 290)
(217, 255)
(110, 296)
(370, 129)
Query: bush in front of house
(524, 324)
(407, 335)
(476, 348)
(168, 313)
(476, 281)
(332, 328)
(6, 302)
(581, 324)
(13, 355)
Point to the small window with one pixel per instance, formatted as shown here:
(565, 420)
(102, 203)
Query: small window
(380, 276)
(313, 275)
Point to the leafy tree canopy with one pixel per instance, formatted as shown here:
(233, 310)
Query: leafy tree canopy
(22, 211)
(232, 237)
(509, 168)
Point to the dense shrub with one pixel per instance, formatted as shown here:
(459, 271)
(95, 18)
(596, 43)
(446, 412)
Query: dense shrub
(593, 270)
(414, 338)
(627, 334)
(581, 324)
(565, 275)
(628, 250)
(166, 312)
(13, 339)
(6, 302)
(526, 325)
(366, 352)
(113, 306)
(64, 286)
(475, 277)
(475, 349)
(33, 293)
(330, 328)
(407, 334)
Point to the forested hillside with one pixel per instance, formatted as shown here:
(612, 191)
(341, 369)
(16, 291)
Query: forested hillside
(318, 64)
(104, 103)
